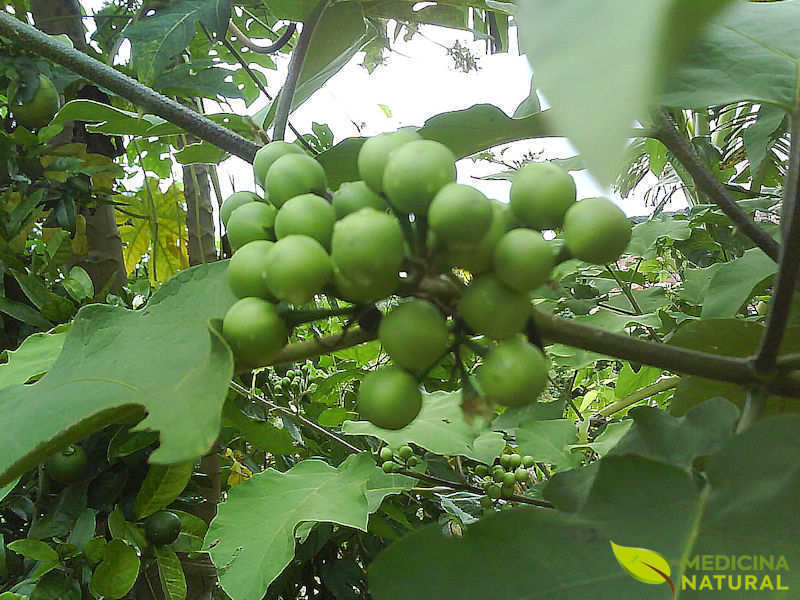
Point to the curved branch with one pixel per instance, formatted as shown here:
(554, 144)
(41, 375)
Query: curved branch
(667, 133)
(272, 48)
(665, 384)
(788, 266)
(672, 358)
(126, 87)
(295, 66)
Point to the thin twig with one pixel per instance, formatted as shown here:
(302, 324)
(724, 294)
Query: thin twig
(788, 265)
(272, 48)
(34, 40)
(665, 384)
(706, 182)
(295, 67)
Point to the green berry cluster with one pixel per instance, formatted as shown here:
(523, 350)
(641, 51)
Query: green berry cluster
(405, 224)
(504, 478)
(394, 460)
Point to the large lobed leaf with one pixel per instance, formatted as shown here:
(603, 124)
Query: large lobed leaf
(252, 539)
(162, 360)
(600, 64)
(633, 501)
(751, 53)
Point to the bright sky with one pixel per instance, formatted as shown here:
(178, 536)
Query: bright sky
(417, 83)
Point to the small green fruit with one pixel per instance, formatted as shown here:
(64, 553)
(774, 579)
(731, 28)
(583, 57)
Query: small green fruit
(355, 195)
(414, 334)
(492, 309)
(234, 201)
(298, 268)
(460, 214)
(294, 175)
(251, 221)
(596, 231)
(255, 331)
(162, 527)
(375, 152)
(405, 452)
(68, 465)
(389, 398)
(521, 475)
(247, 271)
(514, 373)
(267, 155)
(386, 453)
(416, 172)
(540, 195)
(309, 215)
(40, 110)
(523, 260)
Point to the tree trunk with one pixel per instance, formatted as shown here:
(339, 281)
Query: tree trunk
(199, 215)
(104, 262)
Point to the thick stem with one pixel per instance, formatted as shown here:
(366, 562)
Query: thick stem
(36, 41)
(272, 48)
(705, 181)
(295, 67)
(788, 265)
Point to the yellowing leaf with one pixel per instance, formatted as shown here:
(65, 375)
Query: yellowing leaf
(642, 564)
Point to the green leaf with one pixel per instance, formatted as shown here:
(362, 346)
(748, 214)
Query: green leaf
(530, 105)
(202, 153)
(157, 38)
(750, 53)
(734, 281)
(94, 550)
(56, 585)
(549, 441)
(24, 313)
(630, 381)
(84, 529)
(646, 235)
(35, 356)
(610, 437)
(601, 66)
(335, 416)
(513, 417)
(465, 132)
(162, 359)
(293, 10)
(62, 517)
(8, 488)
(115, 576)
(193, 530)
(79, 285)
(440, 428)
(126, 442)
(170, 572)
(161, 486)
(191, 80)
(648, 299)
(34, 549)
(678, 441)
(250, 553)
(262, 434)
(759, 137)
(125, 530)
(112, 120)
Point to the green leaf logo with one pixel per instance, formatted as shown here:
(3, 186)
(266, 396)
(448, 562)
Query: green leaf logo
(645, 565)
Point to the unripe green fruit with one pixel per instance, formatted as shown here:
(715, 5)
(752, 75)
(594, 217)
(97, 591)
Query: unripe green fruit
(414, 334)
(255, 331)
(416, 172)
(460, 214)
(355, 195)
(162, 527)
(505, 460)
(514, 373)
(389, 467)
(247, 271)
(389, 398)
(251, 221)
(477, 258)
(521, 475)
(508, 479)
(374, 155)
(596, 231)
(540, 195)
(492, 309)
(234, 201)
(365, 292)
(494, 491)
(405, 452)
(481, 470)
(268, 155)
(523, 260)
(514, 461)
(506, 491)
(306, 215)
(368, 248)
(298, 268)
(498, 475)
(386, 453)
(68, 465)
(294, 175)
(528, 461)
(413, 461)
(41, 109)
